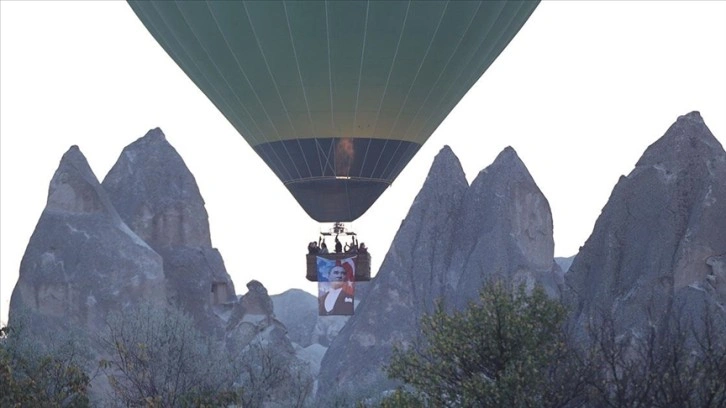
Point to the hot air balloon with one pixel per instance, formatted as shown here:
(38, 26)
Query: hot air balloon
(335, 96)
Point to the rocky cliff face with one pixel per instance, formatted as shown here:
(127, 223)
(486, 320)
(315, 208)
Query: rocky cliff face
(503, 231)
(409, 280)
(157, 196)
(298, 311)
(453, 239)
(280, 372)
(660, 237)
(253, 320)
(658, 245)
(82, 261)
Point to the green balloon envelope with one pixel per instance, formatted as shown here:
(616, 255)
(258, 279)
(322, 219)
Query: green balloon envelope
(336, 97)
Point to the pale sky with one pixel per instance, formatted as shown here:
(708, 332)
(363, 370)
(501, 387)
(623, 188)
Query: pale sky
(580, 93)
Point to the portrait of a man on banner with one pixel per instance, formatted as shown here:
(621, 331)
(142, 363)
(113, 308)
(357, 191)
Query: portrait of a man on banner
(336, 286)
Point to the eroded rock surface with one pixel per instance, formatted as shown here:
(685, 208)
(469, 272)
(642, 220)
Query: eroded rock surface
(503, 231)
(660, 238)
(82, 261)
(453, 239)
(157, 196)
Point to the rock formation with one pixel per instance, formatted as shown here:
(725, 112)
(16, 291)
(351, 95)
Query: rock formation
(298, 311)
(143, 235)
(279, 372)
(659, 242)
(503, 231)
(157, 196)
(82, 261)
(409, 279)
(564, 263)
(453, 239)
(253, 320)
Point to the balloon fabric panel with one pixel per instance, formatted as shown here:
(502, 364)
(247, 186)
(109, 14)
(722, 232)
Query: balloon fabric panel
(335, 97)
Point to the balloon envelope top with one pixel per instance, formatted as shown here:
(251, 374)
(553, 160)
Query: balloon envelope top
(336, 97)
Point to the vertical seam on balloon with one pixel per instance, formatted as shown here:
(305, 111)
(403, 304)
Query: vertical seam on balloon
(326, 155)
(347, 195)
(318, 149)
(244, 75)
(363, 163)
(405, 100)
(393, 63)
(331, 153)
(259, 101)
(512, 21)
(390, 159)
(383, 150)
(385, 88)
(188, 55)
(402, 162)
(282, 101)
(262, 147)
(302, 84)
(360, 71)
(472, 78)
(191, 30)
(441, 74)
(217, 68)
(330, 81)
(418, 71)
(442, 101)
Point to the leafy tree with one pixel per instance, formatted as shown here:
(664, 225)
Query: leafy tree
(678, 363)
(511, 348)
(497, 352)
(35, 374)
(157, 357)
(399, 398)
(269, 374)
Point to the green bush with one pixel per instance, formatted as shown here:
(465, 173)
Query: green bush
(32, 374)
(495, 353)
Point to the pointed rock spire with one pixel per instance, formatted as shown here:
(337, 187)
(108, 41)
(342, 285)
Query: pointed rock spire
(658, 232)
(82, 261)
(504, 230)
(445, 177)
(688, 139)
(409, 280)
(452, 238)
(157, 195)
(75, 189)
(426, 231)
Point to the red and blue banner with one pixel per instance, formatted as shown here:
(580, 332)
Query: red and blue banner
(336, 286)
